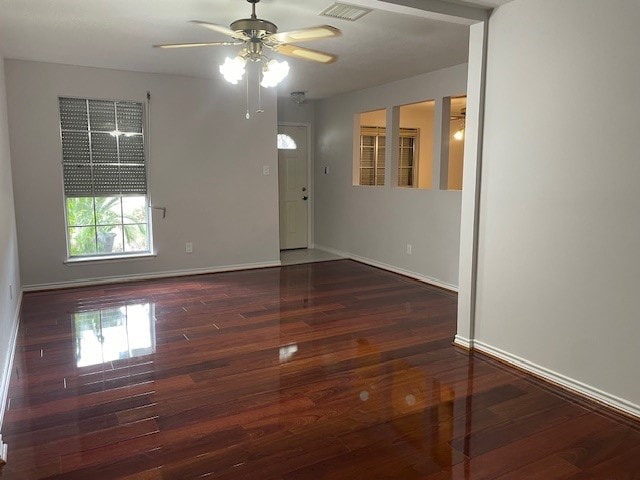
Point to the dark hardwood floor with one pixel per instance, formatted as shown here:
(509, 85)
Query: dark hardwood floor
(332, 370)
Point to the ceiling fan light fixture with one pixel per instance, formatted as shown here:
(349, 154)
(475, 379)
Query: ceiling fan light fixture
(233, 69)
(254, 35)
(273, 73)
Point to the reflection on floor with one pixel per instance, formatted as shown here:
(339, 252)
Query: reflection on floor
(305, 255)
(114, 333)
(322, 371)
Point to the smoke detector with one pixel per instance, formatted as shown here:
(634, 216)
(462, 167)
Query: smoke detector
(298, 97)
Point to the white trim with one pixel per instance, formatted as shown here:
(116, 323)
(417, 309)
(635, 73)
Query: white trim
(108, 258)
(6, 374)
(463, 342)
(3, 452)
(385, 266)
(435, 9)
(147, 276)
(470, 211)
(556, 378)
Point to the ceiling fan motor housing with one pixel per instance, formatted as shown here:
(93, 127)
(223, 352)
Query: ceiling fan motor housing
(256, 33)
(254, 27)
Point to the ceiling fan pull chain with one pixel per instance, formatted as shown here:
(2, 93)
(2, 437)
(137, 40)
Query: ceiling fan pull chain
(247, 115)
(259, 110)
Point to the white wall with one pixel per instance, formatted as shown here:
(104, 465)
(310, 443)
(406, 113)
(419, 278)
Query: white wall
(206, 169)
(558, 264)
(421, 116)
(291, 112)
(376, 223)
(9, 267)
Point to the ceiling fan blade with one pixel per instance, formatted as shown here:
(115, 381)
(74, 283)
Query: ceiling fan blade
(305, 34)
(220, 29)
(304, 53)
(202, 44)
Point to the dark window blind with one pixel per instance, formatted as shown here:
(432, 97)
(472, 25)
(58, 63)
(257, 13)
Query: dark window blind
(102, 148)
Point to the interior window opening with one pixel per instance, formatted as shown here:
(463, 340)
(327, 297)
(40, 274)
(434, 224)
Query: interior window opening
(457, 132)
(369, 159)
(415, 156)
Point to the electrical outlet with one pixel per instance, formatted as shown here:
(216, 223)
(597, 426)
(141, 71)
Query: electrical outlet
(266, 170)
(188, 247)
(409, 249)
(10, 292)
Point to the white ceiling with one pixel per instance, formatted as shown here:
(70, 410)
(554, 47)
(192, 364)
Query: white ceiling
(481, 3)
(380, 47)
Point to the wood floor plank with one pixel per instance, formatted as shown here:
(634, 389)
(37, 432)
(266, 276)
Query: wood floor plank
(334, 370)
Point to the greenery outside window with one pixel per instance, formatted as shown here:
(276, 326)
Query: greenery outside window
(105, 178)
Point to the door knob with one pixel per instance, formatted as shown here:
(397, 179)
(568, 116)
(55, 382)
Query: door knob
(305, 197)
(304, 189)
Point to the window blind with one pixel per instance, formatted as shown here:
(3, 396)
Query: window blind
(102, 147)
(407, 157)
(372, 148)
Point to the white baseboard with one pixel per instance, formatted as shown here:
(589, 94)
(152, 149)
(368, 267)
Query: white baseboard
(6, 373)
(385, 266)
(463, 342)
(3, 452)
(147, 276)
(556, 378)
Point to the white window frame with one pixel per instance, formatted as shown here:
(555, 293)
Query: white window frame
(413, 134)
(118, 256)
(378, 133)
(378, 154)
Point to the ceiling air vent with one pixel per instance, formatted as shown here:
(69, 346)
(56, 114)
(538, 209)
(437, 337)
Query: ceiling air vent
(344, 11)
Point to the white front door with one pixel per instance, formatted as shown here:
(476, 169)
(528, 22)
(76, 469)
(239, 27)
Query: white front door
(293, 187)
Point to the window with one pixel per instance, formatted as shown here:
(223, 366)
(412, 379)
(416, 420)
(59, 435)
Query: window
(415, 159)
(105, 177)
(457, 128)
(407, 157)
(372, 153)
(285, 142)
(369, 143)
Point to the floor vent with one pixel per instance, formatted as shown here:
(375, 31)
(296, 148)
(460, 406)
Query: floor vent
(345, 11)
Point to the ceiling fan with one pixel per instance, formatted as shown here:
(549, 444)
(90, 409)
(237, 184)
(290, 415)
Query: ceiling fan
(459, 116)
(255, 33)
(461, 119)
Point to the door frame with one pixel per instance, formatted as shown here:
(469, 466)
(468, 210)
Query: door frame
(310, 177)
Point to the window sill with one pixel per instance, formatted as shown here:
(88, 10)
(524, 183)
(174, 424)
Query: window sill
(109, 258)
